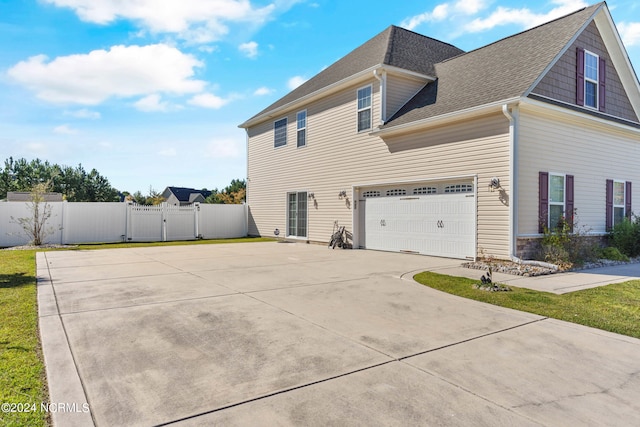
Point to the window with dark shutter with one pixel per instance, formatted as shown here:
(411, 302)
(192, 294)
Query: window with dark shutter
(580, 77)
(609, 205)
(569, 208)
(602, 72)
(628, 199)
(543, 201)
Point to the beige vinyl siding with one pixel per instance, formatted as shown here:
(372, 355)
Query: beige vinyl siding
(592, 152)
(400, 89)
(337, 158)
(475, 147)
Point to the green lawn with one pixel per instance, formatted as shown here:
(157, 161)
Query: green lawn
(614, 308)
(22, 374)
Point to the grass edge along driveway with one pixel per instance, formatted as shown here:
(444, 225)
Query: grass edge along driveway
(613, 308)
(23, 385)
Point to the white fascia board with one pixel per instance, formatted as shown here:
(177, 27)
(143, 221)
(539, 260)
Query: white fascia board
(332, 88)
(559, 111)
(619, 57)
(445, 118)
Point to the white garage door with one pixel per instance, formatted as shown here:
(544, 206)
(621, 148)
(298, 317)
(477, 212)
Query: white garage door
(435, 224)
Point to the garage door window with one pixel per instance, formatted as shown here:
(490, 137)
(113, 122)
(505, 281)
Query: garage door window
(297, 214)
(459, 188)
(371, 193)
(425, 190)
(397, 192)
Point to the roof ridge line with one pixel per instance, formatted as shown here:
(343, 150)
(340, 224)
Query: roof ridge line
(525, 31)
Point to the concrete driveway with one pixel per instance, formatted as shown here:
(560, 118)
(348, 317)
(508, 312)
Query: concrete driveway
(294, 334)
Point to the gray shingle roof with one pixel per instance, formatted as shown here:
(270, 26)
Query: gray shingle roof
(184, 194)
(394, 46)
(502, 70)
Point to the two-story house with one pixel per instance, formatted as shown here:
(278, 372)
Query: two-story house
(417, 146)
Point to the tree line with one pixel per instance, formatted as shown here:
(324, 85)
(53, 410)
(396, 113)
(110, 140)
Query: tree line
(78, 185)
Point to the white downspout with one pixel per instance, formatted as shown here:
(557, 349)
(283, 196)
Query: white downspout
(514, 117)
(382, 78)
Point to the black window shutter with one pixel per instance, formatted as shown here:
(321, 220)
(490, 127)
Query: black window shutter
(602, 73)
(569, 213)
(609, 210)
(627, 200)
(543, 201)
(580, 77)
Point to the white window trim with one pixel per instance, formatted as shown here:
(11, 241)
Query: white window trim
(370, 108)
(624, 200)
(286, 128)
(597, 81)
(564, 198)
(298, 129)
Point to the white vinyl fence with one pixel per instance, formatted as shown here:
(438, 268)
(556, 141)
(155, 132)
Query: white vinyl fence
(79, 222)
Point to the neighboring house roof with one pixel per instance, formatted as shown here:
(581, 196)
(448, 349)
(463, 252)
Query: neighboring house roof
(186, 195)
(395, 47)
(25, 196)
(502, 70)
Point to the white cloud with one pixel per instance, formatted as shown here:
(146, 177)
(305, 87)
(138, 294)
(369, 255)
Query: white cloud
(523, 17)
(249, 49)
(122, 71)
(199, 21)
(223, 149)
(83, 113)
(295, 81)
(65, 130)
(168, 152)
(261, 91)
(444, 11)
(630, 33)
(438, 13)
(152, 103)
(37, 148)
(469, 7)
(209, 100)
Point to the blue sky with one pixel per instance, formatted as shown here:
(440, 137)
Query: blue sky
(150, 92)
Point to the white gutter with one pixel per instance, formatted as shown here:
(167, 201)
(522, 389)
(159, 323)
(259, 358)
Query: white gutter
(512, 112)
(381, 75)
(444, 118)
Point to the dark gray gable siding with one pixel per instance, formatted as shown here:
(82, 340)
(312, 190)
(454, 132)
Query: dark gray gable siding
(502, 70)
(560, 82)
(394, 46)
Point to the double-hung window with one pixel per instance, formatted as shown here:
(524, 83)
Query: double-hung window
(301, 121)
(364, 108)
(556, 200)
(591, 79)
(280, 132)
(618, 202)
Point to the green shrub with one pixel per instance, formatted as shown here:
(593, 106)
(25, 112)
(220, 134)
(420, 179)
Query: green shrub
(568, 245)
(613, 254)
(626, 236)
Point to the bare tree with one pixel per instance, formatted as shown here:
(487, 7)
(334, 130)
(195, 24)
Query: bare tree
(35, 226)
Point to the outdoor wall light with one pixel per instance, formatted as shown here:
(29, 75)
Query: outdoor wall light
(342, 194)
(311, 196)
(494, 183)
